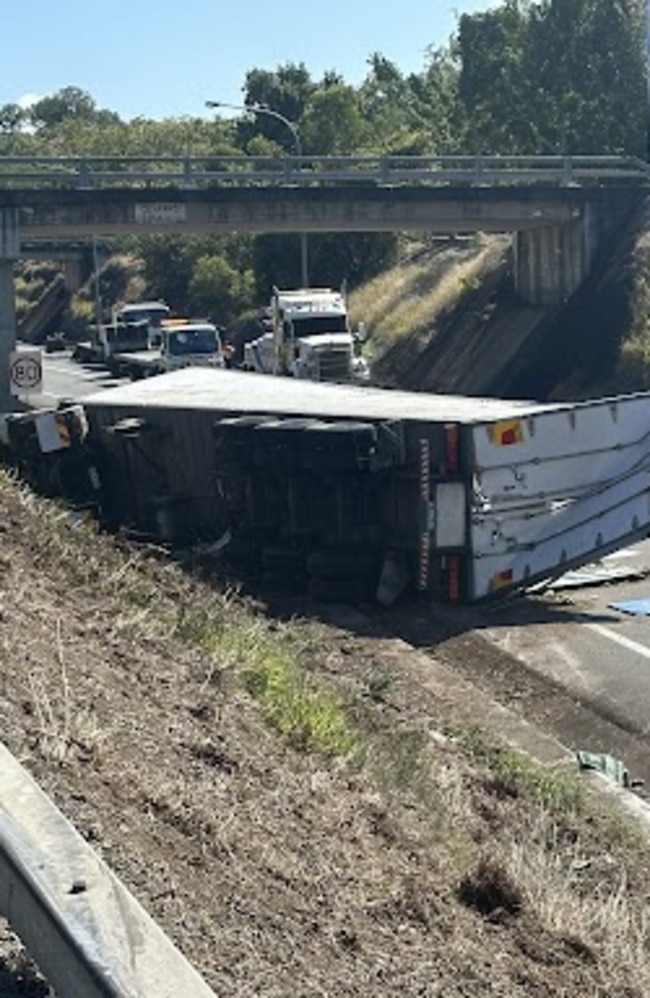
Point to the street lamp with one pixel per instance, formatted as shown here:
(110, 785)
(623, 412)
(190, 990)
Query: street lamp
(293, 128)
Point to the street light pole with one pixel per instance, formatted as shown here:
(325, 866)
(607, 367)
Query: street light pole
(293, 128)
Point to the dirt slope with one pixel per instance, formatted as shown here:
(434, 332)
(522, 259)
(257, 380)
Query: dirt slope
(483, 341)
(281, 797)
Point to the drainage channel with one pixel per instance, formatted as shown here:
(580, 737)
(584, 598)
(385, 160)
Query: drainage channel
(85, 931)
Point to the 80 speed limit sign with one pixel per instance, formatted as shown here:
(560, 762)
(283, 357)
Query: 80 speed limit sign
(25, 371)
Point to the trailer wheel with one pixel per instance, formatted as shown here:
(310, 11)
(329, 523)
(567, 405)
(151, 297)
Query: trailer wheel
(342, 446)
(279, 442)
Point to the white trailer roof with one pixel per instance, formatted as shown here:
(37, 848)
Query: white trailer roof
(237, 391)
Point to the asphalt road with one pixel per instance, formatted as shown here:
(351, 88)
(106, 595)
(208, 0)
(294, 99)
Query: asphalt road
(65, 378)
(577, 637)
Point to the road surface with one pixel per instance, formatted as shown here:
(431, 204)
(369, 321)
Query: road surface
(64, 378)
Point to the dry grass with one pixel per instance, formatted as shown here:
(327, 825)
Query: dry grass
(411, 296)
(286, 803)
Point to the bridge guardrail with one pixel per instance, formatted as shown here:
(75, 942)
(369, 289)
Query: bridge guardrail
(189, 172)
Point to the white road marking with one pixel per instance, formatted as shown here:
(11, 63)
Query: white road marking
(632, 646)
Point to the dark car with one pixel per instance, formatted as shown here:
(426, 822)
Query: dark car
(55, 342)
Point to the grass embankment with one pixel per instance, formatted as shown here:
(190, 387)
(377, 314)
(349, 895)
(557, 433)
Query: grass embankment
(296, 812)
(408, 299)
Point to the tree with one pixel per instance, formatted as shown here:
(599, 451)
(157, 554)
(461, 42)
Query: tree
(415, 114)
(492, 86)
(219, 291)
(332, 122)
(558, 76)
(70, 102)
(285, 90)
(12, 117)
(334, 258)
(588, 60)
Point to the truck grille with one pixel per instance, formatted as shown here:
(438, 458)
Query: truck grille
(333, 365)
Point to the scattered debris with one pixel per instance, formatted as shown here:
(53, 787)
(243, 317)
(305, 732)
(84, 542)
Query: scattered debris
(608, 765)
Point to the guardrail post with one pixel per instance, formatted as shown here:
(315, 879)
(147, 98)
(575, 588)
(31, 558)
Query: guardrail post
(9, 251)
(84, 175)
(567, 171)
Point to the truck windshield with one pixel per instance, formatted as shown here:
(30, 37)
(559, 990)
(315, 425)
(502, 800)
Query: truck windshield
(127, 333)
(153, 314)
(313, 325)
(184, 341)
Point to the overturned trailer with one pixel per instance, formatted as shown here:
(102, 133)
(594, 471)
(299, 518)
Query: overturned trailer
(353, 492)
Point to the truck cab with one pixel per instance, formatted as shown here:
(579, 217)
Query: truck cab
(191, 344)
(154, 313)
(120, 336)
(309, 337)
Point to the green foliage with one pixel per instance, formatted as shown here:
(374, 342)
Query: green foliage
(219, 291)
(285, 90)
(554, 77)
(409, 115)
(310, 718)
(69, 103)
(180, 270)
(12, 117)
(334, 258)
(333, 123)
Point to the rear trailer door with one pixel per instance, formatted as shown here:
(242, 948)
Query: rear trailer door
(557, 489)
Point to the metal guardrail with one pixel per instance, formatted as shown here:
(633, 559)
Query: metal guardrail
(87, 933)
(191, 172)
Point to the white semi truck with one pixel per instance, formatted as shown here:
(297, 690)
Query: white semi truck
(308, 336)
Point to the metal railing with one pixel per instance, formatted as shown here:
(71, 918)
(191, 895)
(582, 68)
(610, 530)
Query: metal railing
(191, 172)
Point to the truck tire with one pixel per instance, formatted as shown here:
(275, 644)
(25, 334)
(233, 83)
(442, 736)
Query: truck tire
(279, 443)
(233, 439)
(340, 447)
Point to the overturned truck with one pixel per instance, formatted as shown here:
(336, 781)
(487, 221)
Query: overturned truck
(354, 493)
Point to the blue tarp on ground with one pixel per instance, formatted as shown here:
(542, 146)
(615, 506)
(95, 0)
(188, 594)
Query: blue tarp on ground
(638, 607)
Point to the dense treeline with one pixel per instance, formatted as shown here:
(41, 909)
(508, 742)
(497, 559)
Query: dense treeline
(525, 77)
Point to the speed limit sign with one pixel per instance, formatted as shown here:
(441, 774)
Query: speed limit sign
(25, 371)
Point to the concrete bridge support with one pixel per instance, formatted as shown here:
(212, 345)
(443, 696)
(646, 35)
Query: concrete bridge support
(551, 262)
(72, 272)
(9, 251)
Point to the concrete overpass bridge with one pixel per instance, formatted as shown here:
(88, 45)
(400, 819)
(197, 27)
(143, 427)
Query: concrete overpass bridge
(558, 208)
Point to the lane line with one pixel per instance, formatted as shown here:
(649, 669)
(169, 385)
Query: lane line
(619, 639)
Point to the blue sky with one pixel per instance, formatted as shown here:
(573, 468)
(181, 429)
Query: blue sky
(164, 59)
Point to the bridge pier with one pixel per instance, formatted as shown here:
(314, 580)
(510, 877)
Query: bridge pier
(9, 252)
(72, 271)
(551, 262)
